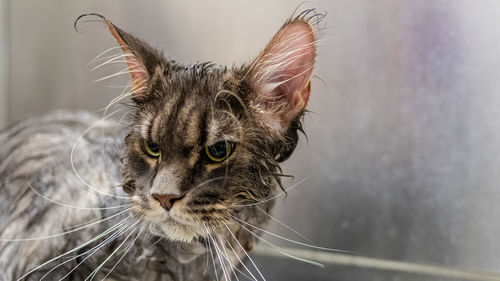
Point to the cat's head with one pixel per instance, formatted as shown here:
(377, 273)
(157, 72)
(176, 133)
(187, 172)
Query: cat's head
(206, 141)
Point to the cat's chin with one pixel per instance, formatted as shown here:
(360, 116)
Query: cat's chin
(176, 231)
(173, 230)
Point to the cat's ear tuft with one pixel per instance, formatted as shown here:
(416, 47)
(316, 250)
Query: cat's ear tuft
(281, 74)
(141, 59)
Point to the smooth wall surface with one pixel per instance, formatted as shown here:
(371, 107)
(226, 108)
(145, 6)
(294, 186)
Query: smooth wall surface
(403, 152)
(4, 61)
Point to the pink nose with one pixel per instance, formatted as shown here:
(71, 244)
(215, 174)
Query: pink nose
(166, 200)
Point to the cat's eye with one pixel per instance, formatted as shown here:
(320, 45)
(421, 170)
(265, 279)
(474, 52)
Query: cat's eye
(220, 151)
(152, 149)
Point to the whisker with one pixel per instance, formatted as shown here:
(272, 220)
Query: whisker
(290, 240)
(276, 196)
(95, 220)
(284, 225)
(242, 273)
(111, 229)
(241, 262)
(417, 269)
(72, 155)
(156, 242)
(126, 251)
(243, 249)
(63, 233)
(222, 264)
(226, 256)
(233, 266)
(123, 117)
(212, 255)
(206, 263)
(279, 249)
(127, 91)
(75, 207)
(93, 250)
(94, 273)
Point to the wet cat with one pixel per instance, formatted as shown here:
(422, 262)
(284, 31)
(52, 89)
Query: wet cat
(173, 196)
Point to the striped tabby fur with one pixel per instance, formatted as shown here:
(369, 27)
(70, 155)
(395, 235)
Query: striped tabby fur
(76, 190)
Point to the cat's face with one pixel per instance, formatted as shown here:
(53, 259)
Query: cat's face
(206, 140)
(196, 144)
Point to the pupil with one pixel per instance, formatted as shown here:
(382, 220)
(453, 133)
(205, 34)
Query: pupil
(153, 147)
(218, 150)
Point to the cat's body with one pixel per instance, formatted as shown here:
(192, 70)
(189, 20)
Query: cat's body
(180, 192)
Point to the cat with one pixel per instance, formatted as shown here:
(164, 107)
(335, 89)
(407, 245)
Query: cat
(179, 194)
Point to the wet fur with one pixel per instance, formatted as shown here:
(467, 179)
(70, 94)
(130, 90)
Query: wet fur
(184, 109)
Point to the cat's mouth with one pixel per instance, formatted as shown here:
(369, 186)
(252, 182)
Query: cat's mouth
(171, 224)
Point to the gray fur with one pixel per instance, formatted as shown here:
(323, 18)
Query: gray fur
(94, 179)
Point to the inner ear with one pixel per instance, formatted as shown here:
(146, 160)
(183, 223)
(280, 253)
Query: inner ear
(135, 66)
(282, 72)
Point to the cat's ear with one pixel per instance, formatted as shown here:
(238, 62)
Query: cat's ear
(142, 60)
(281, 74)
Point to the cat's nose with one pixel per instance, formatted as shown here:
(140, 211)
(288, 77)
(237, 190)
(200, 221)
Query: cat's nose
(166, 200)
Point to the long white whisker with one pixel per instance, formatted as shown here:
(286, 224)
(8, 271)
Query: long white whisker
(93, 250)
(95, 220)
(126, 251)
(127, 91)
(241, 262)
(122, 95)
(222, 264)
(284, 225)
(212, 255)
(111, 229)
(221, 259)
(248, 256)
(73, 162)
(156, 242)
(64, 233)
(75, 207)
(234, 266)
(206, 263)
(94, 273)
(226, 256)
(276, 196)
(290, 240)
(279, 249)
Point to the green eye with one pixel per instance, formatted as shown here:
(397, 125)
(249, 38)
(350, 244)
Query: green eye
(152, 149)
(219, 152)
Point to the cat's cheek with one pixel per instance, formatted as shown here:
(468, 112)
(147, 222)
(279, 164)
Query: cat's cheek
(138, 164)
(179, 232)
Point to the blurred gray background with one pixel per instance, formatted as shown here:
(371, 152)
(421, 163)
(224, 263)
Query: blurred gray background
(403, 148)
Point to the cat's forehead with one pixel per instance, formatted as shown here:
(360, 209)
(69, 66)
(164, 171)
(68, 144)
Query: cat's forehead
(188, 115)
